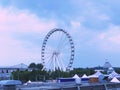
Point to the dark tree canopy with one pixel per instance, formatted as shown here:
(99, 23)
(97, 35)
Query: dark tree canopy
(32, 65)
(38, 66)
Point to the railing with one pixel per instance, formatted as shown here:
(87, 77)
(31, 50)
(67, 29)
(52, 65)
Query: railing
(69, 86)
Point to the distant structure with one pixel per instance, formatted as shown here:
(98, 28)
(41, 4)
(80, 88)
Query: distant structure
(6, 72)
(108, 67)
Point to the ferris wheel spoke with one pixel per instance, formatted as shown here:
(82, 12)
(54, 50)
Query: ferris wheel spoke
(65, 49)
(61, 64)
(47, 56)
(61, 40)
(58, 63)
(49, 49)
(48, 62)
(61, 47)
(65, 43)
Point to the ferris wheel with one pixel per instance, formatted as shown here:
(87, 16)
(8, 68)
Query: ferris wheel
(57, 51)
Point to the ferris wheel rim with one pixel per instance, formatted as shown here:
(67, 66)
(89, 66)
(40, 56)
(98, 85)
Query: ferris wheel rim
(71, 59)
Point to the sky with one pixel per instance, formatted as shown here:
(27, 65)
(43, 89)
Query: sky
(94, 27)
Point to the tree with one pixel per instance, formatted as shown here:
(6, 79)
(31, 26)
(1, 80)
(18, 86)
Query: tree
(32, 65)
(39, 66)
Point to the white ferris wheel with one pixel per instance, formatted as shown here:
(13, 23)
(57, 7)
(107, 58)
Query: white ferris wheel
(57, 51)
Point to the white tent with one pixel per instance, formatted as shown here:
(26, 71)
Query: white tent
(29, 81)
(115, 80)
(77, 79)
(97, 74)
(84, 76)
(75, 76)
(114, 74)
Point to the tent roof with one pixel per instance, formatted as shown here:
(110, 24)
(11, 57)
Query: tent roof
(29, 81)
(21, 65)
(84, 76)
(97, 74)
(115, 80)
(75, 76)
(113, 74)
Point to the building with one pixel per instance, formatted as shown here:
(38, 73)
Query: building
(107, 65)
(6, 72)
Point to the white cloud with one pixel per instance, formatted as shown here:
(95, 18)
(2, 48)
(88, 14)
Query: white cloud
(75, 24)
(107, 40)
(91, 11)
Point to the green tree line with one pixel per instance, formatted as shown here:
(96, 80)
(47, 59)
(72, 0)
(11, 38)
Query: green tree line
(35, 73)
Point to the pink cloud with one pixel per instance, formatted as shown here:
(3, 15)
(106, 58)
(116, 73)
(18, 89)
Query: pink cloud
(13, 20)
(22, 21)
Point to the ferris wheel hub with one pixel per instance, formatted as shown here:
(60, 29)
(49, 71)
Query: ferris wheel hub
(56, 53)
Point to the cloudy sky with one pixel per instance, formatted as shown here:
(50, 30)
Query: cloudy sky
(94, 27)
